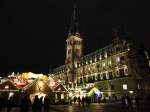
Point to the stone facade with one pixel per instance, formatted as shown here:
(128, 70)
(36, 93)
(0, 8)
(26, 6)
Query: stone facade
(116, 69)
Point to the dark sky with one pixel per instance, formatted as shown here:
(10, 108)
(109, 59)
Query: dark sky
(33, 32)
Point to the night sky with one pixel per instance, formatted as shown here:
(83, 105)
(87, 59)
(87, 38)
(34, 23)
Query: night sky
(33, 32)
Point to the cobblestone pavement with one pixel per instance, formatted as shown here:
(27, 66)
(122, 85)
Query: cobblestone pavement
(113, 107)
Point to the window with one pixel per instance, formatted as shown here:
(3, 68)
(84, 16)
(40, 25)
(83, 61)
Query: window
(126, 71)
(100, 57)
(124, 86)
(107, 76)
(86, 62)
(84, 79)
(118, 49)
(62, 96)
(121, 72)
(117, 73)
(110, 75)
(93, 78)
(118, 59)
(109, 63)
(95, 59)
(104, 64)
(122, 58)
(112, 87)
(101, 76)
(96, 77)
(104, 76)
(80, 80)
(105, 55)
(91, 60)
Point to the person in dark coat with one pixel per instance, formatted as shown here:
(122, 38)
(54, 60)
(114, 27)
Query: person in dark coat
(46, 103)
(35, 105)
(1, 102)
(86, 100)
(25, 104)
(123, 101)
(74, 99)
(10, 104)
(79, 100)
(40, 104)
(83, 100)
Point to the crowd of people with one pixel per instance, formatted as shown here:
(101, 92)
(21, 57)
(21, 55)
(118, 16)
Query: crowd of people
(39, 104)
(84, 100)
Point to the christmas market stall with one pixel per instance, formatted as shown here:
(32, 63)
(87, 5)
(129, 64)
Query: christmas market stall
(8, 91)
(61, 94)
(38, 87)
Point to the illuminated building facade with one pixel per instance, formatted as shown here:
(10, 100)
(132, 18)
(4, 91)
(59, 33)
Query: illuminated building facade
(116, 69)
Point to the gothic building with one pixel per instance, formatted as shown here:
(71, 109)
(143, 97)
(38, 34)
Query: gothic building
(116, 69)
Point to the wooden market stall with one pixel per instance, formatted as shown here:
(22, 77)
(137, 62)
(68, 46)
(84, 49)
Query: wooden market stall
(61, 94)
(38, 87)
(9, 90)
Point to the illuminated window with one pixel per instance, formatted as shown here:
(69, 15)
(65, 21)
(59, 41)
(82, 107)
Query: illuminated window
(95, 59)
(91, 61)
(118, 59)
(100, 57)
(79, 64)
(62, 96)
(86, 62)
(56, 97)
(76, 65)
(124, 86)
(105, 55)
(109, 63)
(104, 64)
(107, 76)
(6, 87)
(126, 71)
(101, 76)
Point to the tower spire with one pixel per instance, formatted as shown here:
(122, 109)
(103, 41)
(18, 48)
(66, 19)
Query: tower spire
(74, 30)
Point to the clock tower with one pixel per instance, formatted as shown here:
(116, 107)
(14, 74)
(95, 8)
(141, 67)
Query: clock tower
(73, 49)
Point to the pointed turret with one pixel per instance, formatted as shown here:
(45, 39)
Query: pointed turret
(74, 30)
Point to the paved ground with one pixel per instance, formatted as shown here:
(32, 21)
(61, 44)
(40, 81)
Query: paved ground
(116, 107)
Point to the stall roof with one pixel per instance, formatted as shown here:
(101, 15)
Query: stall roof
(38, 85)
(60, 88)
(8, 85)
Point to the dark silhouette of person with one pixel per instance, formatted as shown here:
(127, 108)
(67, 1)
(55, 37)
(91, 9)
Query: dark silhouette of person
(137, 103)
(25, 104)
(89, 100)
(129, 101)
(83, 100)
(79, 100)
(9, 104)
(137, 100)
(35, 105)
(74, 99)
(104, 99)
(123, 101)
(86, 100)
(40, 104)
(46, 103)
(1, 102)
(99, 99)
